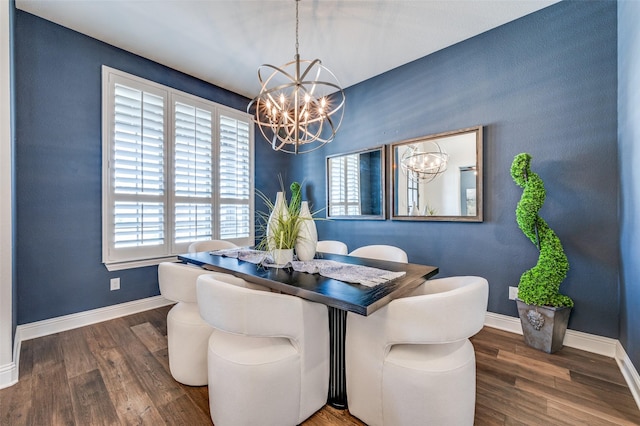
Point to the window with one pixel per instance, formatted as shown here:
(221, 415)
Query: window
(176, 169)
(413, 192)
(345, 185)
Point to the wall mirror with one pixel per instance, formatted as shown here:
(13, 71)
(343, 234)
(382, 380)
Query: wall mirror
(355, 185)
(438, 177)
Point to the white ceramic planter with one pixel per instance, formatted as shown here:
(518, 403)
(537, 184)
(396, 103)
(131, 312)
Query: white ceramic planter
(279, 211)
(282, 256)
(307, 236)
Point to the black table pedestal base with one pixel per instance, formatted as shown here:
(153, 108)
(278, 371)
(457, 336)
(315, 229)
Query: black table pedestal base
(337, 397)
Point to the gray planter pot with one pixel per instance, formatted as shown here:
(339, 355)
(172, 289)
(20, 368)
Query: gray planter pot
(543, 327)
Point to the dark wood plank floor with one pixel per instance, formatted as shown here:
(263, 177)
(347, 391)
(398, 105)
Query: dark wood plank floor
(117, 373)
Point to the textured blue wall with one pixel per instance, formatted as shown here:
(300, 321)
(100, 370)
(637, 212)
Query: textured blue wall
(629, 145)
(58, 168)
(544, 84)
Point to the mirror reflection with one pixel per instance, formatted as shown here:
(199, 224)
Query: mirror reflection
(355, 185)
(438, 177)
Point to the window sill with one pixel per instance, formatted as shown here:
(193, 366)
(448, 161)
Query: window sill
(119, 266)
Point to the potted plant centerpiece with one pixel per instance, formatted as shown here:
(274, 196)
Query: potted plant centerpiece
(287, 226)
(544, 312)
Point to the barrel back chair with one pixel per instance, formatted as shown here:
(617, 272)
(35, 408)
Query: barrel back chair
(411, 362)
(381, 252)
(187, 333)
(332, 246)
(268, 356)
(210, 245)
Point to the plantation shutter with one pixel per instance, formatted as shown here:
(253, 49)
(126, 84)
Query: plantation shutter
(176, 169)
(137, 169)
(345, 185)
(352, 184)
(338, 194)
(193, 173)
(235, 178)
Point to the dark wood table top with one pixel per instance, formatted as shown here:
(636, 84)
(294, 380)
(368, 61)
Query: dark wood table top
(350, 297)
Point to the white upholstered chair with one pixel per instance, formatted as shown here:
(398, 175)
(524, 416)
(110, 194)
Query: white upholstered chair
(411, 362)
(187, 333)
(268, 357)
(210, 245)
(331, 246)
(381, 252)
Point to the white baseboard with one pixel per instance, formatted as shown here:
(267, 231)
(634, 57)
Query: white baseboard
(629, 372)
(9, 372)
(584, 341)
(68, 322)
(8, 375)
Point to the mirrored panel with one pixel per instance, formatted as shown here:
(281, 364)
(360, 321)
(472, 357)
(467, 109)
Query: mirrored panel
(355, 185)
(438, 177)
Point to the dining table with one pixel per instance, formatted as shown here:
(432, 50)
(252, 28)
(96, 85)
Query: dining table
(339, 296)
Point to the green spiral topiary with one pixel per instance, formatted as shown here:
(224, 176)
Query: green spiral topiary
(539, 285)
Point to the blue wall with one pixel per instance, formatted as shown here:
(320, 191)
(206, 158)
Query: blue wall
(629, 143)
(544, 84)
(58, 168)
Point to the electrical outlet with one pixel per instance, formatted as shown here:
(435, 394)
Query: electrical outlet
(115, 284)
(513, 293)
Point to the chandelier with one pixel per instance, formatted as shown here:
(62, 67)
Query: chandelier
(300, 105)
(424, 166)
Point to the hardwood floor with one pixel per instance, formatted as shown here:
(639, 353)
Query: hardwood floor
(117, 373)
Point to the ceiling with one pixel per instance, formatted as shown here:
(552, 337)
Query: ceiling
(224, 41)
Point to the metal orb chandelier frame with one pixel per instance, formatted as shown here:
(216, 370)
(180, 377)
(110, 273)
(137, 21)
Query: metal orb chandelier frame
(300, 106)
(423, 166)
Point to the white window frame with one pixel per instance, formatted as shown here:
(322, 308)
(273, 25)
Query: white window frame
(124, 258)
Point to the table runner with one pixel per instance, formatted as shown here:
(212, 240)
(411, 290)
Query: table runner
(347, 272)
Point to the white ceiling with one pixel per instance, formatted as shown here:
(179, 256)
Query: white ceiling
(224, 41)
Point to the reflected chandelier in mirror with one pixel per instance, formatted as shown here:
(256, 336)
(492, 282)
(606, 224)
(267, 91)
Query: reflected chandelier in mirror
(424, 164)
(355, 185)
(438, 177)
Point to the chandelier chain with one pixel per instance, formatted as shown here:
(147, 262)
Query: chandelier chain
(297, 25)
